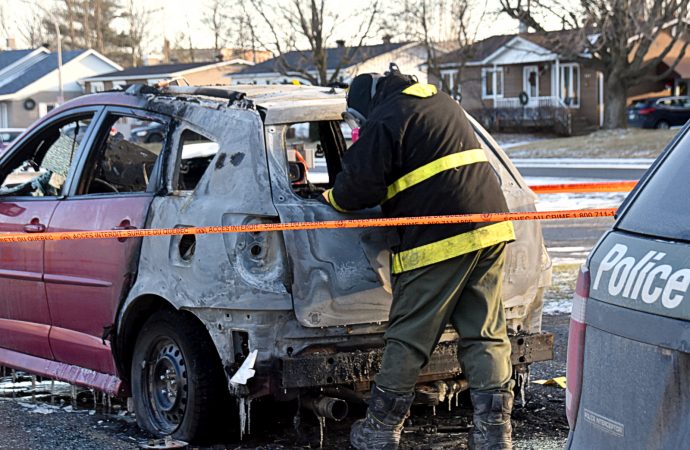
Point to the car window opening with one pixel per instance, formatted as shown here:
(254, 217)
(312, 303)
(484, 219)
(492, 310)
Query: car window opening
(314, 152)
(40, 167)
(197, 151)
(122, 162)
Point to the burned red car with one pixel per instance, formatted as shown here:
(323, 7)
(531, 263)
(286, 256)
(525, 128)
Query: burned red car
(186, 324)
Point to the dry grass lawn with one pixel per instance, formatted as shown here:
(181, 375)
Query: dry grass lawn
(628, 143)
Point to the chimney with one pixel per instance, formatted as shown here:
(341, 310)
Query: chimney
(11, 43)
(387, 38)
(340, 43)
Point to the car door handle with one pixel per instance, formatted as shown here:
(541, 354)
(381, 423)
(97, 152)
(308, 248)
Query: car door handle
(124, 225)
(35, 226)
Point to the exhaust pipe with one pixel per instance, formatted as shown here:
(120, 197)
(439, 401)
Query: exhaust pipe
(328, 407)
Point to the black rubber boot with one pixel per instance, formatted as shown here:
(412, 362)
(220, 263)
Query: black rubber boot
(382, 427)
(492, 428)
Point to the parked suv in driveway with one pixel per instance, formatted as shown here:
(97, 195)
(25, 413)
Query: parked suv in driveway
(662, 113)
(179, 322)
(629, 342)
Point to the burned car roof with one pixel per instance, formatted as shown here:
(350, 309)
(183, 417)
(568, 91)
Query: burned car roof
(278, 103)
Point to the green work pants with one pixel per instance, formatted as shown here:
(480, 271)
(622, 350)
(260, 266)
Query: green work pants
(465, 291)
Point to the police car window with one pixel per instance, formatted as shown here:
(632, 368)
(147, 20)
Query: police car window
(122, 160)
(314, 151)
(197, 151)
(40, 167)
(661, 207)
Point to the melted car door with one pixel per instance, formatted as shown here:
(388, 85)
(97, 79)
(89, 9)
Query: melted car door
(86, 279)
(33, 175)
(340, 276)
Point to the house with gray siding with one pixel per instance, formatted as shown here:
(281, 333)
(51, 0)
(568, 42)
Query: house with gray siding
(29, 81)
(526, 81)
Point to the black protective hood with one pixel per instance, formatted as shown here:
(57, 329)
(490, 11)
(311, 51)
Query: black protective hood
(369, 89)
(361, 92)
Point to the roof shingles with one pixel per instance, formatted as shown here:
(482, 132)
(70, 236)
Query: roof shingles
(159, 69)
(46, 64)
(302, 60)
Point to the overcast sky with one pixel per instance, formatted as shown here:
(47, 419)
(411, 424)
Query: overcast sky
(185, 16)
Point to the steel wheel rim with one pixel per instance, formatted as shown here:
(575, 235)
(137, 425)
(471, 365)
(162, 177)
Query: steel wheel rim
(166, 384)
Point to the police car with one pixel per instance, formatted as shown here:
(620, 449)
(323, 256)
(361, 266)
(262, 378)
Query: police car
(629, 343)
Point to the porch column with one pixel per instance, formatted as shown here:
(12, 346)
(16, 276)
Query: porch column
(558, 80)
(493, 83)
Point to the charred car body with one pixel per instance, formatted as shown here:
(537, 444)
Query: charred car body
(180, 322)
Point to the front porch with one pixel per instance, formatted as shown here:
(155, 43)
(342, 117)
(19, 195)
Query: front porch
(526, 85)
(538, 112)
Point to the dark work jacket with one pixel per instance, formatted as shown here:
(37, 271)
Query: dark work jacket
(404, 132)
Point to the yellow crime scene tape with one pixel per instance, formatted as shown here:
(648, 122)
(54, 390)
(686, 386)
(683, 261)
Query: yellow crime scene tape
(615, 186)
(295, 226)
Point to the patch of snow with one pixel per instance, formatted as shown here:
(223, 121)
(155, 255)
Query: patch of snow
(39, 408)
(585, 163)
(569, 249)
(556, 261)
(557, 307)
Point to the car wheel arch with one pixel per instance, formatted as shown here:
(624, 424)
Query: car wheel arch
(132, 318)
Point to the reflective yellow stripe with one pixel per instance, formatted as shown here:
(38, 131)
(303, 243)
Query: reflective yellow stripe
(453, 246)
(433, 168)
(422, 90)
(331, 200)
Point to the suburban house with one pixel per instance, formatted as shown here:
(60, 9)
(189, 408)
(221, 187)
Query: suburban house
(522, 80)
(168, 55)
(285, 68)
(194, 74)
(29, 81)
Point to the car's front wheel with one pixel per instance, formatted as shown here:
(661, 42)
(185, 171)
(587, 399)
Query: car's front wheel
(662, 125)
(177, 378)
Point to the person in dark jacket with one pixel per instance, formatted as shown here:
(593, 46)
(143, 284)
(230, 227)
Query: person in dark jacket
(417, 155)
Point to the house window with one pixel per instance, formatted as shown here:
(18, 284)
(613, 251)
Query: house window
(492, 82)
(451, 82)
(119, 84)
(45, 108)
(97, 86)
(569, 85)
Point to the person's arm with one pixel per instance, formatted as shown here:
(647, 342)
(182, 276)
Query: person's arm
(366, 166)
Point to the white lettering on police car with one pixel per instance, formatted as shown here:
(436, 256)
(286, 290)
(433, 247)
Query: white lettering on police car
(647, 279)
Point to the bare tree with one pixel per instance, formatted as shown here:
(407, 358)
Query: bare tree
(627, 40)
(138, 18)
(217, 20)
(441, 26)
(31, 30)
(4, 23)
(310, 23)
(244, 30)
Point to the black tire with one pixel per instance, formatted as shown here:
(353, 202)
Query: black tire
(662, 125)
(178, 383)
